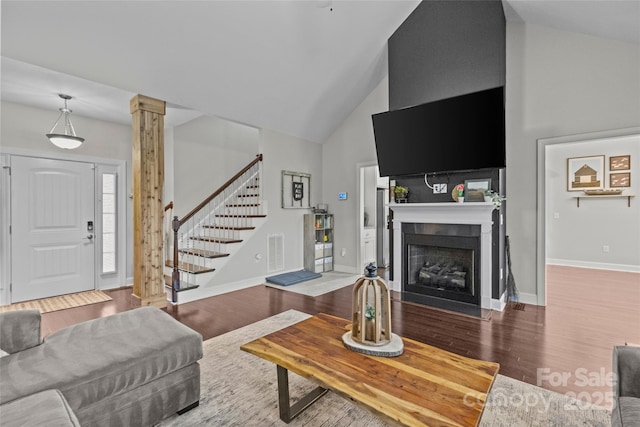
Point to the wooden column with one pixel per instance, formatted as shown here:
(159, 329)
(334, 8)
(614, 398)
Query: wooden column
(148, 177)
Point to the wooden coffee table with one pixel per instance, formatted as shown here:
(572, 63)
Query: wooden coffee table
(424, 386)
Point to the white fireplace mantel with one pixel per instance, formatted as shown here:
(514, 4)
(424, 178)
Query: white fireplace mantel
(474, 213)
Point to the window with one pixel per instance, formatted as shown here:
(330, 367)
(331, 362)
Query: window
(109, 181)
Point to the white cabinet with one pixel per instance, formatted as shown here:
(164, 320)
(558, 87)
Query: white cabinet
(368, 246)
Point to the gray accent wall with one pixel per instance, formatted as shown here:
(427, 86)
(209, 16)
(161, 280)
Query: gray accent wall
(445, 49)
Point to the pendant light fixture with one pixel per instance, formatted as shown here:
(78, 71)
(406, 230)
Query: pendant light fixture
(68, 139)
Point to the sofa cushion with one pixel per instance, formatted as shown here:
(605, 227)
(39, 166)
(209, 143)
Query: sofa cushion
(626, 364)
(46, 408)
(19, 330)
(102, 357)
(629, 408)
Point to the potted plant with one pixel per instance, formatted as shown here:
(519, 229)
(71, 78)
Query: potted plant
(400, 193)
(495, 198)
(460, 192)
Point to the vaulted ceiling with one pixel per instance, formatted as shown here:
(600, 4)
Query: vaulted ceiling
(297, 67)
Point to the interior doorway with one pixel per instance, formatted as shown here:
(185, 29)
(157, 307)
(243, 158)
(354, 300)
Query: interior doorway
(373, 196)
(576, 231)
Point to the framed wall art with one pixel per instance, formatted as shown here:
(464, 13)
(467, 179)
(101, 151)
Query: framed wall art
(620, 163)
(296, 189)
(620, 179)
(474, 189)
(585, 173)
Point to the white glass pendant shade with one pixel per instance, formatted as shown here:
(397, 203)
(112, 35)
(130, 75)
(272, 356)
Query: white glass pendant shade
(68, 139)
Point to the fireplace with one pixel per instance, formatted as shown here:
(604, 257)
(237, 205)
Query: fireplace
(441, 261)
(424, 233)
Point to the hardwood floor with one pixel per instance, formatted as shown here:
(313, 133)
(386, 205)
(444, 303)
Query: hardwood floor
(565, 346)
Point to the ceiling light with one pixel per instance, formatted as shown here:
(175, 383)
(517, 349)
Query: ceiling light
(68, 139)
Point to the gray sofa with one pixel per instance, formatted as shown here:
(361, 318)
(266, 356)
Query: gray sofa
(626, 386)
(128, 369)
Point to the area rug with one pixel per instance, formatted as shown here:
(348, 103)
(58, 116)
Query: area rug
(61, 302)
(330, 281)
(239, 389)
(293, 277)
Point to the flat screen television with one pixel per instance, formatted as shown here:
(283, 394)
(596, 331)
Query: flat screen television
(465, 132)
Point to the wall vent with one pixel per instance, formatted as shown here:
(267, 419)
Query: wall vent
(275, 252)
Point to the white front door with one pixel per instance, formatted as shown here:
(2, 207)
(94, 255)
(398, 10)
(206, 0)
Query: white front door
(52, 220)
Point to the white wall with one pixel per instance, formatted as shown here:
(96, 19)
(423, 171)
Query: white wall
(576, 235)
(207, 151)
(248, 266)
(558, 83)
(284, 152)
(352, 143)
(23, 131)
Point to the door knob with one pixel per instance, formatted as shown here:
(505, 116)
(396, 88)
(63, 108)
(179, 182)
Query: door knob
(90, 237)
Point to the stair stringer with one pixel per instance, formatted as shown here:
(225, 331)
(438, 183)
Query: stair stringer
(207, 284)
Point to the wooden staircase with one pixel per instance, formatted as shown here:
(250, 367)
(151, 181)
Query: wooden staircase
(204, 239)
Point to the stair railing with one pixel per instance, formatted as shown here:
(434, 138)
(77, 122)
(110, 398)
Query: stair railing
(201, 235)
(167, 231)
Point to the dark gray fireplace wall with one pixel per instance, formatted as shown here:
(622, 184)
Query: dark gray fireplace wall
(445, 49)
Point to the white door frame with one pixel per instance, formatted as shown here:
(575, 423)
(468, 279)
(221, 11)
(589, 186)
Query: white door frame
(541, 257)
(360, 213)
(119, 166)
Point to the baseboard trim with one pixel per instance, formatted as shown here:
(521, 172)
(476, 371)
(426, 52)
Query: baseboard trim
(347, 269)
(207, 290)
(595, 265)
(499, 304)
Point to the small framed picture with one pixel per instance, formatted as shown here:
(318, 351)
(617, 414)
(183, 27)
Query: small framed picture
(620, 163)
(474, 189)
(585, 173)
(297, 190)
(620, 179)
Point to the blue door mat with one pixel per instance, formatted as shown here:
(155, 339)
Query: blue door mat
(286, 279)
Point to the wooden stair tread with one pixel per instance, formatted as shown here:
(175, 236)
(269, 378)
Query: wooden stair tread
(184, 285)
(243, 205)
(204, 253)
(223, 227)
(216, 239)
(190, 268)
(248, 195)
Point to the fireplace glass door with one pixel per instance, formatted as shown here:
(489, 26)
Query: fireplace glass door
(444, 266)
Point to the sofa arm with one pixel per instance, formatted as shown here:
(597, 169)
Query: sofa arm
(19, 330)
(626, 371)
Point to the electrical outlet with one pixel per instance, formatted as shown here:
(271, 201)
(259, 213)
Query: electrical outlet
(439, 188)
(605, 249)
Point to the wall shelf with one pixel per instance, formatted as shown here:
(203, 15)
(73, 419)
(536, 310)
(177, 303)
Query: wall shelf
(605, 196)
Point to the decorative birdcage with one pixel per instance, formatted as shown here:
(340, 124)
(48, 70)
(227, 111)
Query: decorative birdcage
(371, 318)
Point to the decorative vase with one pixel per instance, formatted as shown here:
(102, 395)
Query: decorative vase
(460, 199)
(487, 199)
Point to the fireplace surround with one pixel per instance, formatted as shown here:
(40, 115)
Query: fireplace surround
(470, 224)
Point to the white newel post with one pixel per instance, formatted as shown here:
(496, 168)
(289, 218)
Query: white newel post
(477, 213)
